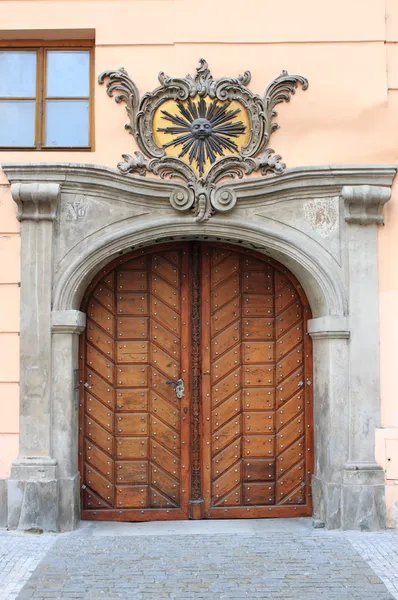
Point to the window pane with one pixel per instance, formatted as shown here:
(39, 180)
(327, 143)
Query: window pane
(17, 122)
(67, 123)
(68, 73)
(18, 73)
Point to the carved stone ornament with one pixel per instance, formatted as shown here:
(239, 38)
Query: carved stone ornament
(214, 129)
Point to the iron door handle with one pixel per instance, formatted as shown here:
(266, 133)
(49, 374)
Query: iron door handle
(178, 385)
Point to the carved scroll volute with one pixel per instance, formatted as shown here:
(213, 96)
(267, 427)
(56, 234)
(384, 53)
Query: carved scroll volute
(204, 128)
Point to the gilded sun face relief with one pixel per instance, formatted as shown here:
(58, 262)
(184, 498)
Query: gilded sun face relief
(202, 131)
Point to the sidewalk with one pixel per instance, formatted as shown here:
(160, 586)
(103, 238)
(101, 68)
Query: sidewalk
(284, 558)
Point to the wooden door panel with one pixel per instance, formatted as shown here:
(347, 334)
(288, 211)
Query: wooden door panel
(256, 406)
(97, 434)
(131, 496)
(164, 315)
(132, 448)
(165, 435)
(104, 295)
(101, 340)
(132, 303)
(163, 458)
(258, 469)
(226, 410)
(227, 434)
(102, 413)
(258, 352)
(225, 459)
(166, 411)
(167, 270)
(259, 398)
(132, 472)
(230, 313)
(132, 327)
(258, 375)
(101, 485)
(259, 446)
(165, 363)
(102, 316)
(132, 281)
(225, 292)
(99, 460)
(167, 340)
(165, 483)
(132, 400)
(258, 305)
(100, 364)
(259, 422)
(228, 386)
(258, 494)
(258, 328)
(132, 352)
(133, 463)
(92, 500)
(224, 341)
(99, 388)
(257, 281)
(227, 482)
(233, 322)
(166, 292)
(224, 365)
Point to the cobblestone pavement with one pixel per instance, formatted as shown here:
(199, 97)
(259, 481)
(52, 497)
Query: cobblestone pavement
(20, 553)
(210, 560)
(380, 551)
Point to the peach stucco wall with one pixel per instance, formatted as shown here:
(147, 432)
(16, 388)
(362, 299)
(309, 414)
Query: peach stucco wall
(348, 51)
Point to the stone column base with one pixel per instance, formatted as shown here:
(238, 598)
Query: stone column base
(37, 499)
(69, 503)
(357, 503)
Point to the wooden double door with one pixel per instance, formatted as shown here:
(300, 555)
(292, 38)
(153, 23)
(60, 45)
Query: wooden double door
(236, 441)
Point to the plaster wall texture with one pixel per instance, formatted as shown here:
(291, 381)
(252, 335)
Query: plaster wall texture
(349, 53)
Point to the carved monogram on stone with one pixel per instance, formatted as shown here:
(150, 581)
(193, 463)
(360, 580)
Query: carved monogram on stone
(201, 131)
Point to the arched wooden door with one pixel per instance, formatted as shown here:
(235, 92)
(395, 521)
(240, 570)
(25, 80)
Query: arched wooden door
(237, 440)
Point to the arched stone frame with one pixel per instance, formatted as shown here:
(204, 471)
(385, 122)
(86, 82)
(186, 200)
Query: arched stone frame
(340, 281)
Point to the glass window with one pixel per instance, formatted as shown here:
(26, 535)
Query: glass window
(66, 123)
(45, 97)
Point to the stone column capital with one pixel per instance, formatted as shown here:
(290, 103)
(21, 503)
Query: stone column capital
(68, 321)
(36, 201)
(364, 203)
(328, 327)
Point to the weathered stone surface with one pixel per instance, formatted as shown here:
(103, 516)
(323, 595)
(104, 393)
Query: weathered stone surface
(33, 505)
(3, 503)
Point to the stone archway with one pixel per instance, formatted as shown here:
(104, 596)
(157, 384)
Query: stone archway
(319, 222)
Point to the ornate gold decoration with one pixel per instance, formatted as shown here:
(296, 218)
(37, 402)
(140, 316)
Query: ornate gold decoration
(210, 142)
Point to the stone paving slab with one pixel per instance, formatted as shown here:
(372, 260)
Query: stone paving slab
(239, 561)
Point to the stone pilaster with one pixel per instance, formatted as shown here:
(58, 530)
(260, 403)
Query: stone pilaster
(363, 494)
(66, 327)
(33, 486)
(330, 336)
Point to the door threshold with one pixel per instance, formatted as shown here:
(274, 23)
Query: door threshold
(250, 527)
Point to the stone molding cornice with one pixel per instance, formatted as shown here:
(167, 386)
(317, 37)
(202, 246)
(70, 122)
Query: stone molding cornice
(68, 321)
(364, 203)
(296, 183)
(36, 201)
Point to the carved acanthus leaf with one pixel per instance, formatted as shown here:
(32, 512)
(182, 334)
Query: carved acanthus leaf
(280, 90)
(120, 81)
